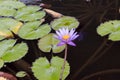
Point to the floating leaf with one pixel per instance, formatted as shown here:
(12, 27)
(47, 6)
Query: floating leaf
(21, 74)
(15, 52)
(115, 36)
(6, 33)
(27, 10)
(108, 27)
(43, 70)
(32, 30)
(49, 42)
(8, 25)
(111, 28)
(1, 37)
(31, 17)
(65, 21)
(1, 63)
(5, 45)
(11, 4)
(6, 11)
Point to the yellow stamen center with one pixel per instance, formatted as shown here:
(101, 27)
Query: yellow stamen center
(65, 37)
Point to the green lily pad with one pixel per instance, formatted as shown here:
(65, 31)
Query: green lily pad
(1, 63)
(8, 25)
(65, 21)
(21, 74)
(31, 17)
(32, 30)
(15, 52)
(6, 11)
(12, 4)
(115, 36)
(48, 43)
(43, 70)
(5, 45)
(108, 27)
(26, 10)
(1, 37)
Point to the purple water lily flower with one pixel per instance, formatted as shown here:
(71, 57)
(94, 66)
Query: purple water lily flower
(66, 36)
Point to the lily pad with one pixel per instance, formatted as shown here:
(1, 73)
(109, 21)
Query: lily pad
(21, 74)
(111, 28)
(115, 36)
(5, 45)
(12, 4)
(43, 70)
(27, 10)
(8, 25)
(65, 21)
(1, 63)
(6, 11)
(1, 37)
(15, 52)
(108, 27)
(32, 30)
(48, 43)
(32, 17)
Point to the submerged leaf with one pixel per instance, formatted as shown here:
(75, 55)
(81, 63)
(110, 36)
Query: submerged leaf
(65, 21)
(43, 70)
(48, 43)
(32, 30)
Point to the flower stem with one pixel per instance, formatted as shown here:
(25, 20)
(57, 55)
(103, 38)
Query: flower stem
(63, 67)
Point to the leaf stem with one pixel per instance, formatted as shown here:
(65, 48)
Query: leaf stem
(63, 67)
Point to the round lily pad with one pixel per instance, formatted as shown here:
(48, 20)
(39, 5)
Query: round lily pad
(12, 4)
(108, 27)
(6, 11)
(115, 36)
(32, 30)
(111, 28)
(29, 13)
(27, 10)
(32, 17)
(49, 42)
(1, 63)
(8, 26)
(45, 70)
(65, 21)
(5, 45)
(21, 74)
(14, 53)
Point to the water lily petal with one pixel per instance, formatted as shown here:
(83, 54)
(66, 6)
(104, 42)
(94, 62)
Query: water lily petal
(71, 43)
(61, 43)
(71, 32)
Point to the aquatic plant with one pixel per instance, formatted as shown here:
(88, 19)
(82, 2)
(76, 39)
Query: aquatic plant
(29, 48)
(24, 23)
